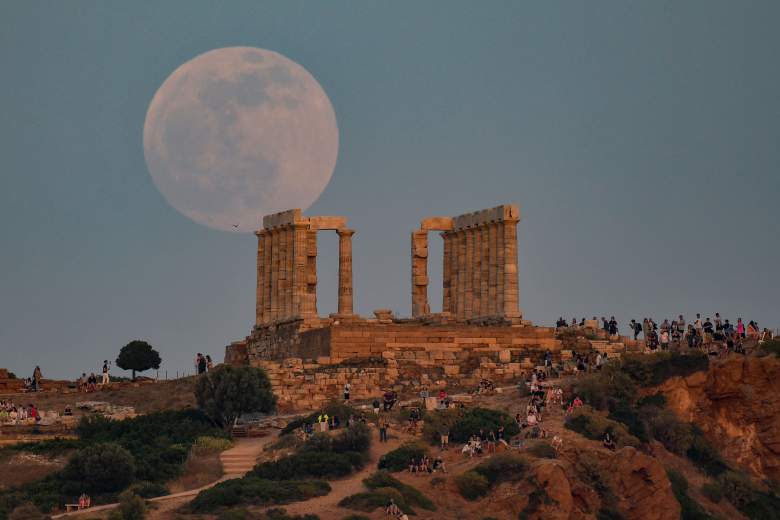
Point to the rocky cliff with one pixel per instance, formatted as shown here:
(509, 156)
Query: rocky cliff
(736, 405)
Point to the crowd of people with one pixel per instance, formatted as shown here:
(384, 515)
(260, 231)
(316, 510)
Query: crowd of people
(12, 414)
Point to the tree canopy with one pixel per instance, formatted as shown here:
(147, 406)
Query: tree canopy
(227, 392)
(138, 356)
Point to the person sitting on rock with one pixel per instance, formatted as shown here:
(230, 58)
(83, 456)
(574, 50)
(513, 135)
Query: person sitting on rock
(392, 508)
(577, 402)
(609, 442)
(557, 443)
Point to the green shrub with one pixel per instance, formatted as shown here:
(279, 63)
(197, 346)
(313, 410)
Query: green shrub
(333, 409)
(131, 507)
(51, 447)
(771, 347)
(277, 513)
(654, 369)
(470, 421)
(27, 512)
(227, 392)
(712, 491)
(502, 468)
(412, 496)
(256, 491)
(148, 489)
(704, 455)
(356, 517)
(102, 468)
(622, 412)
(674, 434)
(207, 443)
(318, 464)
(736, 488)
(594, 426)
(541, 449)
(356, 438)
(472, 485)
(399, 458)
(689, 508)
(375, 499)
(601, 388)
(656, 400)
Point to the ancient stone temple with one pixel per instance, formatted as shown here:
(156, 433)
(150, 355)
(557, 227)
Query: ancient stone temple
(479, 333)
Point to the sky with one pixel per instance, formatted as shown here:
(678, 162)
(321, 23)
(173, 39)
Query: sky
(640, 140)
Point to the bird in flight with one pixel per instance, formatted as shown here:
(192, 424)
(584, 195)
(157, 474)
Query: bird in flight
(235, 225)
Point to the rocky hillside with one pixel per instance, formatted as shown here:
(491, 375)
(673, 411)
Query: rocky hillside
(735, 403)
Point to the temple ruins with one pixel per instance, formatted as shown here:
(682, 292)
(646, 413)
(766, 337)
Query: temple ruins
(480, 332)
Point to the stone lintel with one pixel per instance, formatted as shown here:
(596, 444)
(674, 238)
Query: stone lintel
(436, 224)
(327, 222)
(283, 218)
(503, 213)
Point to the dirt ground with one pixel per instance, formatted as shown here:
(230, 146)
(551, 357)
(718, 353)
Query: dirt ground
(144, 397)
(20, 468)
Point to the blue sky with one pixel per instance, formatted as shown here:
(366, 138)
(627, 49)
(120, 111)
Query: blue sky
(638, 138)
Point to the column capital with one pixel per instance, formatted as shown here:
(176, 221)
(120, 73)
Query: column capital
(345, 232)
(261, 233)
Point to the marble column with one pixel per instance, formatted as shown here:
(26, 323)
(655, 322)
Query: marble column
(259, 302)
(275, 292)
(267, 276)
(511, 309)
(485, 268)
(460, 237)
(283, 280)
(476, 270)
(299, 285)
(468, 271)
(446, 282)
(311, 274)
(492, 269)
(345, 271)
(419, 252)
(500, 268)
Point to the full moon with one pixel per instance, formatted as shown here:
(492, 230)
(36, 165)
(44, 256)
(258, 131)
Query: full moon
(238, 133)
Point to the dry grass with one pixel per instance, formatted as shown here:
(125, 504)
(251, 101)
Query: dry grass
(144, 397)
(20, 468)
(202, 467)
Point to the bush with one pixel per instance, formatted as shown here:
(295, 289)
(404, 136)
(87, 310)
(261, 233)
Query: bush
(462, 424)
(602, 388)
(674, 434)
(712, 491)
(412, 495)
(542, 449)
(356, 438)
(356, 517)
(375, 499)
(621, 411)
(737, 489)
(502, 468)
(148, 489)
(593, 426)
(771, 347)
(207, 443)
(277, 513)
(228, 392)
(333, 409)
(27, 512)
(689, 508)
(256, 491)
(131, 507)
(654, 369)
(399, 458)
(704, 455)
(318, 464)
(472, 485)
(102, 468)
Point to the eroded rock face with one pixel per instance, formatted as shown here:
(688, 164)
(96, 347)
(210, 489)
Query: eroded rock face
(642, 488)
(736, 406)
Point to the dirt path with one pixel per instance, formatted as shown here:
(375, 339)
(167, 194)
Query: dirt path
(236, 461)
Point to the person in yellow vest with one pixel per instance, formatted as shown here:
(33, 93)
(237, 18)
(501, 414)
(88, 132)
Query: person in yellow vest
(323, 421)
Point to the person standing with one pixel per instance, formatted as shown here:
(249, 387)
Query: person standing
(37, 376)
(382, 423)
(347, 388)
(202, 364)
(106, 376)
(209, 363)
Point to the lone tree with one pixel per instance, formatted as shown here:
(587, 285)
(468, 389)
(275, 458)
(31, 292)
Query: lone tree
(227, 392)
(138, 356)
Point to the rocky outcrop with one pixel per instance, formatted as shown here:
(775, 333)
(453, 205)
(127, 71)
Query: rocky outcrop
(735, 403)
